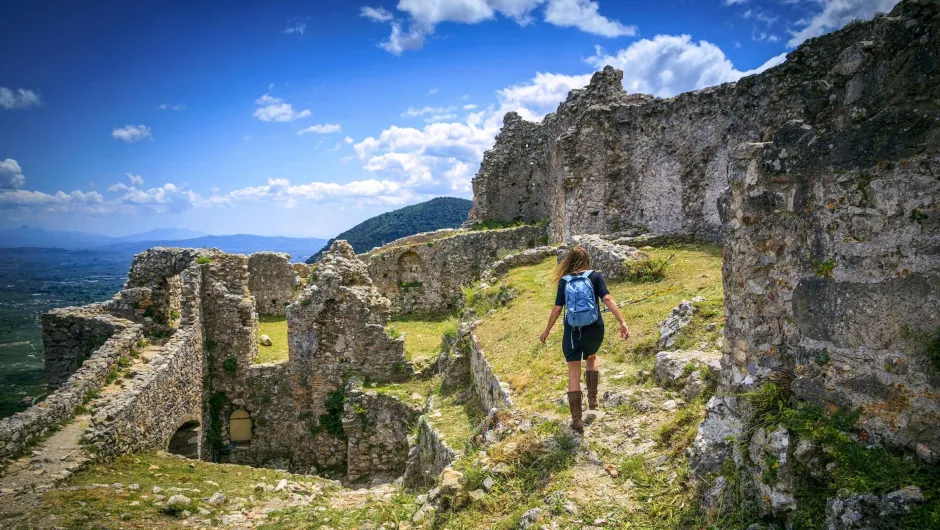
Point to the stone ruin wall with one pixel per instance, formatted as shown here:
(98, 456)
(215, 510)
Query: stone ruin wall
(425, 275)
(273, 281)
(821, 175)
(18, 431)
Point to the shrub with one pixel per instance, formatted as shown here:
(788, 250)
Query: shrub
(647, 270)
(230, 365)
(174, 315)
(203, 260)
(824, 268)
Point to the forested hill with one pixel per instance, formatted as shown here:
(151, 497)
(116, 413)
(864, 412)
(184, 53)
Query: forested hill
(442, 212)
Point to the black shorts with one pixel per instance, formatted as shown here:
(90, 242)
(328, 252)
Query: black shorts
(587, 341)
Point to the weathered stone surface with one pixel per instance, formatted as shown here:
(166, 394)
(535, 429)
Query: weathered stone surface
(670, 328)
(273, 281)
(715, 438)
(428, 458)
(422, 274)
(607, 257)
(682, 370)
(870, 512)
(530, 256)
(376, 428)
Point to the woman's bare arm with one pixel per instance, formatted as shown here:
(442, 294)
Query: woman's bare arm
(612, 305)
(551, 322)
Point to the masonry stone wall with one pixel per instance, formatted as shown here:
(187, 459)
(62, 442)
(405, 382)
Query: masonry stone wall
(377, 427)
(70, 336)
(427, 457)
(157, 269)
(162, 396)
(422, 275)
(19, 430)
(273, 281)
(608, 161)
(492, 392)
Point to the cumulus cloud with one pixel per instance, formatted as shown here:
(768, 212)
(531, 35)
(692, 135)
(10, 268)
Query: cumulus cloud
(734, 2)
(136, 180)
(132, 133)
(835, 14)
(11, 176)
(18, 99)
(348, 140)
(419, 18)
(167, 106)
(276, 109)
(667, 65)
(325, 128)
(281, 190)
(583, 14)
(469, 107)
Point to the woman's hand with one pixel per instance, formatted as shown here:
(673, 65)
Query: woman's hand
(543, 336)
(624, 331)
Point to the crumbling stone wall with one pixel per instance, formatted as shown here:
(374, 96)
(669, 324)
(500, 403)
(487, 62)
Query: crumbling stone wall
(158, 269)
(160, 398)
(72, 335)
(19, 430)
(610, 258)
(832, 255)
(273, 281)
(428, 457)
(420, 275)
(377, 428)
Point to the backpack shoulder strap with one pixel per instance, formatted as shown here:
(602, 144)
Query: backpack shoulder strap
(587, 273)
(566, 277)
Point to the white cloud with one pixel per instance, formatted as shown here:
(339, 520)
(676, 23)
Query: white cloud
(414, 111)
(667, 65)
(296, 27)
(420, 17)
(734, 2)
(348, 140)
(541, 94)
(376, 14)
(469, 107)
(281, 190)
(167, 106)
(835, 14)
(276, 109)
(325, 128)
(432, 91)
(583, 14)
(439, 117)
(132, 133)
(136, 180)
(11, 176)
(19, 99)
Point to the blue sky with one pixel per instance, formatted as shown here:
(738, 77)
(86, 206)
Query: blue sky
(304, 118)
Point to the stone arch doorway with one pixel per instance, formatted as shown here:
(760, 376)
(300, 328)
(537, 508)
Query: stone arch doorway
(185, 441)
(239, 427)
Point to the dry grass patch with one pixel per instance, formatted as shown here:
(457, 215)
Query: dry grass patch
(274, 327)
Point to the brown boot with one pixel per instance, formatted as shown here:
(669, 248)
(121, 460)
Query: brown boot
(574, 403)
(592, 380)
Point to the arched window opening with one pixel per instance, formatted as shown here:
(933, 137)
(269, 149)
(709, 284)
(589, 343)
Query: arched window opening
(239, 429)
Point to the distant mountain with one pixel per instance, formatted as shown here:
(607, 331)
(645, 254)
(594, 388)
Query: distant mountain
(163, 234)
(442, 212)
(30, 236)
(300, 248)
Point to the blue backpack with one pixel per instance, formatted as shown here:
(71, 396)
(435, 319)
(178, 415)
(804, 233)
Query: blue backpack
(580, 301)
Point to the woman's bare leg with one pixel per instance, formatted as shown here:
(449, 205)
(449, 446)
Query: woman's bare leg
(592, 362)
(574, 376)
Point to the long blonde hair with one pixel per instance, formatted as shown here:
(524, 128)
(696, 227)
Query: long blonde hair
(577, 259)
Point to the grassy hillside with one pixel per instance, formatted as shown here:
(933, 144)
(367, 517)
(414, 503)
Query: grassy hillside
(442, 212)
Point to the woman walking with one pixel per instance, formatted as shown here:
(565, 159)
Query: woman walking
(579, 289)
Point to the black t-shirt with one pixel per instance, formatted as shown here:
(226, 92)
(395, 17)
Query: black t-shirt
(600, 291)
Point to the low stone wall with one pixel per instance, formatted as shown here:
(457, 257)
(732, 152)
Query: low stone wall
(531, 256)
(425, 275)
(159, 400)
(428, 457)
(492, 392)
(71, 335)
(376, 427)
(609, 258)
(17, 431)
(273, 282)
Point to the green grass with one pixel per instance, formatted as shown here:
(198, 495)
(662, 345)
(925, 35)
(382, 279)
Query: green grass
(107, 507)
(276, 328)
(423, 333)
(537, 373)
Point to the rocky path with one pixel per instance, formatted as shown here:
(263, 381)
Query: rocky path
(56, 457)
